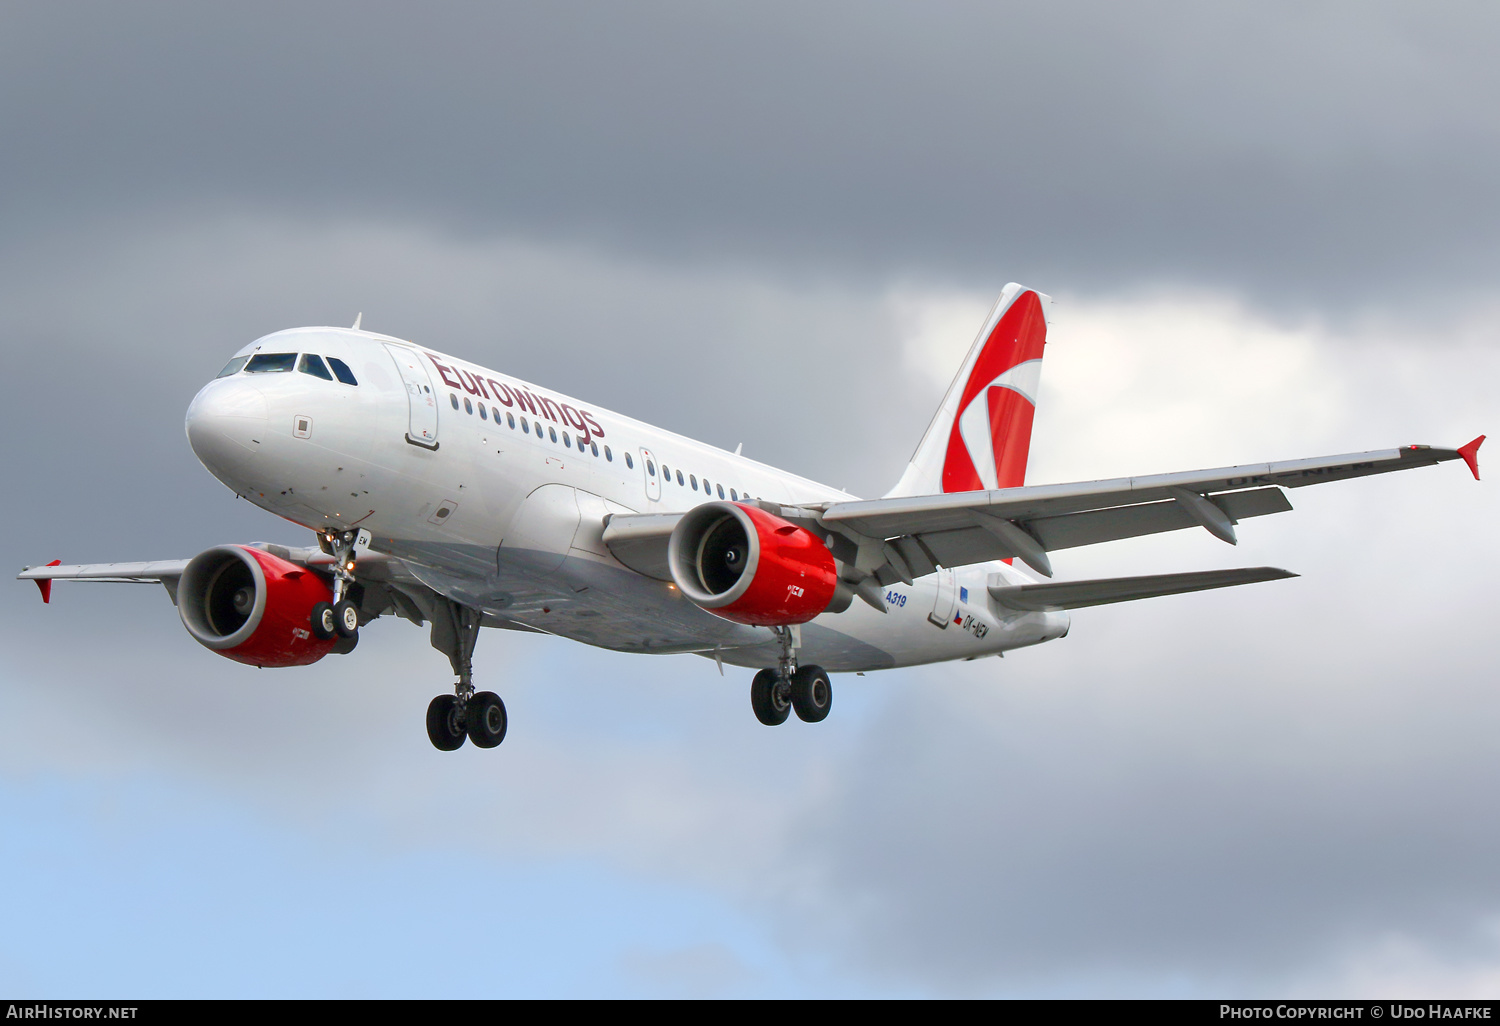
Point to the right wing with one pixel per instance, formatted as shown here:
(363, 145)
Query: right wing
(395, 589)
(118, 573)
(162, 571)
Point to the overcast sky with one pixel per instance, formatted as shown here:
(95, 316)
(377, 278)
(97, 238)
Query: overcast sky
(1271, 232)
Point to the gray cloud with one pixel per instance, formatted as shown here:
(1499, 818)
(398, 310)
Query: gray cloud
(1316, 157)
(1210, 795)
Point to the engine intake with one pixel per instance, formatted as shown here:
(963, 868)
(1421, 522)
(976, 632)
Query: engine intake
(744, 564)
(252, 607)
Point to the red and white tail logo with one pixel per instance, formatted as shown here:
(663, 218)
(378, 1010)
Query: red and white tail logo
(981, 435)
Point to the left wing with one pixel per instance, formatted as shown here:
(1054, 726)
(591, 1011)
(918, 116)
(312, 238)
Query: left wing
(900, 539)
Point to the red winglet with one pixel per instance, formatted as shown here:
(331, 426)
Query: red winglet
(1470, 453)
(45, 585)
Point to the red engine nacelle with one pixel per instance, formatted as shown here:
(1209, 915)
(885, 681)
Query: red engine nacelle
(252, 606)
(746, 565)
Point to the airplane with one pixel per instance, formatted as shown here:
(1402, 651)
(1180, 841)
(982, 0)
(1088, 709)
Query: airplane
(460, 497)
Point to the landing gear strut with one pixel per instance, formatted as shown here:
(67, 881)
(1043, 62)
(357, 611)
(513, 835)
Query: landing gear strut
(345, 612)
(339, 618)
(774, 693)
(464, 714)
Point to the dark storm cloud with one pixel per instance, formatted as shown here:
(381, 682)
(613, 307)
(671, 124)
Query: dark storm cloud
(1326, 153)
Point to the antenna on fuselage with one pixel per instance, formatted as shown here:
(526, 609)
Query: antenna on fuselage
(737, 448)
(357, 318)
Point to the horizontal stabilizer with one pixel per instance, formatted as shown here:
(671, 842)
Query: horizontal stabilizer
(1076, 594)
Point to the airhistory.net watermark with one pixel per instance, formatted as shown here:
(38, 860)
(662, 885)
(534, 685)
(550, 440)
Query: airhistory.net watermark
(70, 1011)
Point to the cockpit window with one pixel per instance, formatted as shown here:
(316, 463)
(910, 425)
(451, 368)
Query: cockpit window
(341, 371)
(312, 364)
(271, 363)
(232, 367)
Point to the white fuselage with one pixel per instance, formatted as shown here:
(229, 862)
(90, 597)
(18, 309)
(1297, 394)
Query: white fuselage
(506, 514)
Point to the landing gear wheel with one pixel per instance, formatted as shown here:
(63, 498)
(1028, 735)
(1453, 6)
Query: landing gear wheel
(769, 699)
(812, 693)
(486, 719)
(346, 619)
(324, 625)
(445, 727)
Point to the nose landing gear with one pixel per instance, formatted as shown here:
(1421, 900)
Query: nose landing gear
(339, 618)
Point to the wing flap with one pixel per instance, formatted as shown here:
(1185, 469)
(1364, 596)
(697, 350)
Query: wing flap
(973, 544)
(1078, 594)
(1101, 525)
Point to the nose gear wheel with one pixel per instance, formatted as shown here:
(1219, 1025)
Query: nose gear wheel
(324, 626)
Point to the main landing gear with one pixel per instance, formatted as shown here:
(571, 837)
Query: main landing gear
(775, 693)
(464, 715)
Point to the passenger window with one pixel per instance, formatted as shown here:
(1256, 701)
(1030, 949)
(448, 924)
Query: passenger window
(706, 488)
(232, 367)
(734, 495)
(496, 414)
(553, 433)
(694, 479)
(609, 457)
(453, 399)
(526, 427)
(341, 371)
(468, 406)
(721, 491)
(679, 477)
(567, 441)
(650, 468)
(271, 363)
(510, 418)
(594, 448)
(483, 415)
(629, 461)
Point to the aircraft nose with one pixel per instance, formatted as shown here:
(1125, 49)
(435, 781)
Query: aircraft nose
(226, 424)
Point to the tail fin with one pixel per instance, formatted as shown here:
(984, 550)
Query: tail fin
(981, 435)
